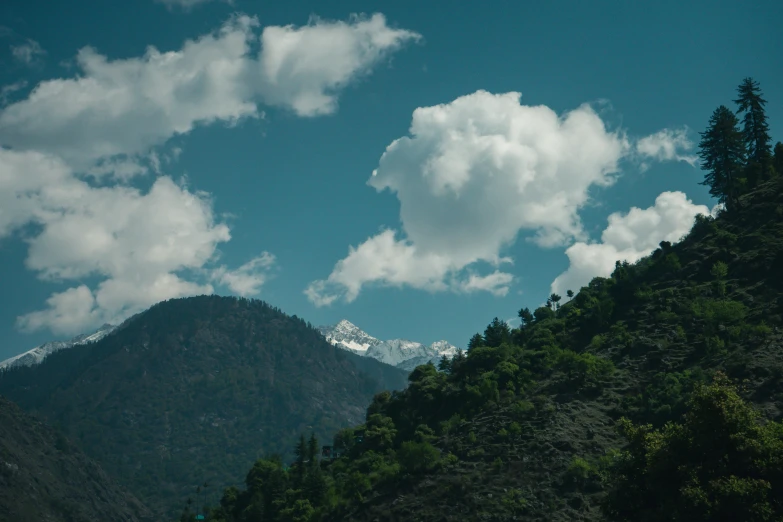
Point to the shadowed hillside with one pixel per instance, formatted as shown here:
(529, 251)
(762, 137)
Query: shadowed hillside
(196, 390)
(44, 477)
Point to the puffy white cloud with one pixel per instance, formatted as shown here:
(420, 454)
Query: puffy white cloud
(248, 278)
(304, 68)
(144, 246)
(629, 237)
(127, 106)
(137, 243)
(472, 174)
(666, 145)
(29, 53)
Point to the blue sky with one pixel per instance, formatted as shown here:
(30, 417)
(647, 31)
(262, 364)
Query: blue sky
(156, 149)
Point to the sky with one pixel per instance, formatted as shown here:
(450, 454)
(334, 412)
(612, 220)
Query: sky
(417, 168)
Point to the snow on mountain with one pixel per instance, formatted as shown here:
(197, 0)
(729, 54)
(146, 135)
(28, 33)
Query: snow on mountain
(396, 352)
(39, 353)
(348, 336)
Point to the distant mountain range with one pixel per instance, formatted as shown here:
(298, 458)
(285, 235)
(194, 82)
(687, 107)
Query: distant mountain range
(39, 353)
(401, 353)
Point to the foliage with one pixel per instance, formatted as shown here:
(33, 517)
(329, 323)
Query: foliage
(719, 463)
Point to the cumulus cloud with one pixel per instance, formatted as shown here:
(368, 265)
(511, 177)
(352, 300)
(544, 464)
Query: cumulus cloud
(666, 145)
(29, 53)
(248, 278)
(471, 177)
(127, 106)
(305, 67)
(148, 245)
(140, 244)
(629, 237)
(472, 174)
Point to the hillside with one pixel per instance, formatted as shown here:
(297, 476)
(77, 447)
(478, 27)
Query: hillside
(196, 390)
(43, 477)
(524, 427)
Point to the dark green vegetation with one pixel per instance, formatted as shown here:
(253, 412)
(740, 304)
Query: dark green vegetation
(196, 390)
(616, 404)
(44, 477)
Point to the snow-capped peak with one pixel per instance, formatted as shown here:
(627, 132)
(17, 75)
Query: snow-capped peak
(348, 336)
(402, 353)
(39, 353)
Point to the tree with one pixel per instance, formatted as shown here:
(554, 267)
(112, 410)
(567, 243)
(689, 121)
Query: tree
(496, 333)
(526, 316)
(778, 159)
(312, 451)
(723, 155)
(570, 294)
(554, 299)
(755, 131)
(719, 464)
(475, 341)
(444, 365)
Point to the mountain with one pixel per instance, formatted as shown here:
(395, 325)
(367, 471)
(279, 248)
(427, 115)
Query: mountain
(196, 390)
(525, 426)
(43, 477)
(39, 353)
(401, 353)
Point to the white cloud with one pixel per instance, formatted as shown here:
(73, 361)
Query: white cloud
(29, 53)
(472, 174)
(146, 246)
(666, 145)
(629, 237)
(248, 278)
(137, 243)
(304, 68)
(127, 106)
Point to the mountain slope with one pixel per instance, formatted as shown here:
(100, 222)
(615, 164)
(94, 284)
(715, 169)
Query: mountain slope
(195, 390)
(43, 477)
(400, 353)
(523, 426)
(39, 353)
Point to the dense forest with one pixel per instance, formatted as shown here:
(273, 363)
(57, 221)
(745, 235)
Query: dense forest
(196, 389)
(654, 394)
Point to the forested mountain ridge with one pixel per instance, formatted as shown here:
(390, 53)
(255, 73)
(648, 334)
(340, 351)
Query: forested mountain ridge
(683, 348)
(44, 477)
(195, 390)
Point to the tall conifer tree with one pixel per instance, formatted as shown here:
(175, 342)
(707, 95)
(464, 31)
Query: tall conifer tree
(723, 156)
(755, 131)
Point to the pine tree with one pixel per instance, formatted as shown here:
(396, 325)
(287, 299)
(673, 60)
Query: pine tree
(312, 451)
(755, 132)
(778, 159)
(723, 154)
(526, 316)
(497, 333)
(444, 365)
(475, 341)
